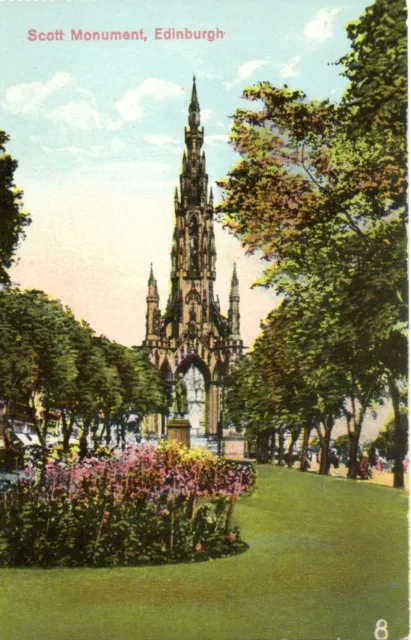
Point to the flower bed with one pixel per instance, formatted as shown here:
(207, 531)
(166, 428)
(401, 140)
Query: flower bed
(147, 506)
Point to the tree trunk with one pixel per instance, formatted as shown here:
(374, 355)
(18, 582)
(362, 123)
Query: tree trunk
(67, 431)
(304, 450)
(41, 431)
(108, 432)
(355, 436)
(294, 437)
(262, 447)
(281, 447)
(325, 443)
(83, 437)
(117, 432)
(272, 446)
(400, 437)
(352, 465)
(123, 435)
(94, 432)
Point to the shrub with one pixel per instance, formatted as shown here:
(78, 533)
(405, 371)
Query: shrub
(145, 506)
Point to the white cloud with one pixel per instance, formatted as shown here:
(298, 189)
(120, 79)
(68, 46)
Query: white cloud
(246, 71)
(117, 145)
(206, 114)
(160, 140)
(113, 126)
(215, 138)
(86, 92)
(208, 76)
(83, 112)
(130, 106)
(320, 28)
(30, 97)
(80, 115)
(219, 124)
(93, 153)
(288, 70)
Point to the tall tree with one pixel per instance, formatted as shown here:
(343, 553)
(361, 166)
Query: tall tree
(375, 104)
(13, 219)
(37, 364)
(320, 189)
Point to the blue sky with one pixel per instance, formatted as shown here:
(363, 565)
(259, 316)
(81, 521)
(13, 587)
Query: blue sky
(97, 128)
(78, 111)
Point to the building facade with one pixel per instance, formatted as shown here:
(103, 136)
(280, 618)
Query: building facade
(191, 339)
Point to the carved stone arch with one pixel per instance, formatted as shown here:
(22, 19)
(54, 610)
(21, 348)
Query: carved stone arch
(166, 371)
(194, 359)
(193, 220)
(193, 296)
(219, 371)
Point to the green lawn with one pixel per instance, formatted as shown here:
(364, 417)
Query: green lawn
(327, 558)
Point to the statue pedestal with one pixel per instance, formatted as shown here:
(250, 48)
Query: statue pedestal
(234, 447)
(178, 429)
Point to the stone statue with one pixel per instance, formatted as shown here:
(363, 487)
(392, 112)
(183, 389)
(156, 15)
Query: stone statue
(204, 306)
(193, 315)
(180, 396)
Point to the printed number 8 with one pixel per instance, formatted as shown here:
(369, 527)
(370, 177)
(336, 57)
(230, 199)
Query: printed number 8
(381, 630)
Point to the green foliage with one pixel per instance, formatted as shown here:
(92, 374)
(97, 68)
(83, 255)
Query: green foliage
(385, 441)
(343, 445)
(37, 364)
(376, 67)
(53, 365)
(320, 192)
(13, 219)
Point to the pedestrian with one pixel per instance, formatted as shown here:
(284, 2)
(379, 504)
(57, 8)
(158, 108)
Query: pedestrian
(364, 466)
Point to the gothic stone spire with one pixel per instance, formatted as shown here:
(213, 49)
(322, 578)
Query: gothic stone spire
(153, 299)
(194, 180)
(234, 294)
(234, 308)
(194, 107)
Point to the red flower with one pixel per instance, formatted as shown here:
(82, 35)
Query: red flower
(231, 537)
(198, 547)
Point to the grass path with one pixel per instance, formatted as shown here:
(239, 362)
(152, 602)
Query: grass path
(327, 558)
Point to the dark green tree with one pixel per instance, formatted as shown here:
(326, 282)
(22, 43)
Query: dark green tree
(13, 219)
(386, 443)
(37, 360)
(320, 190)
